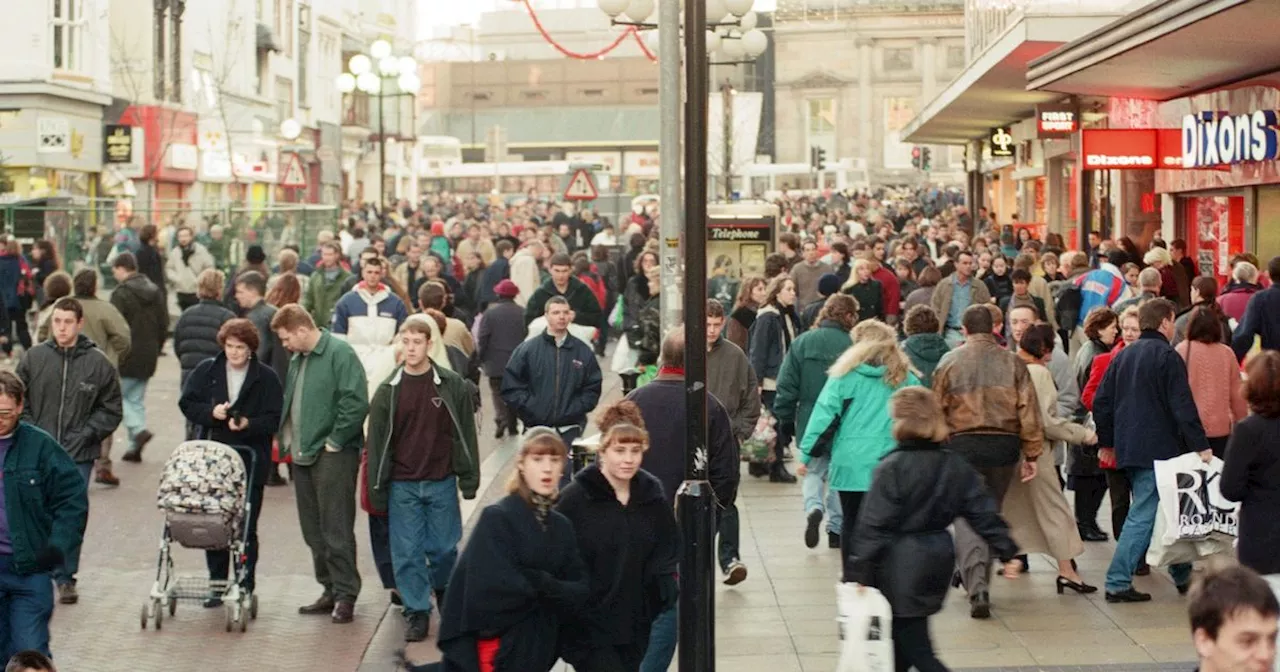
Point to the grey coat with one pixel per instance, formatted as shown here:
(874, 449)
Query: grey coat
(731, 380)
(501, 330)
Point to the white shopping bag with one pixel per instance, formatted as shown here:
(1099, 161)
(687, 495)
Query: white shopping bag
(1191, 503)
(623, 356)
(866, 626)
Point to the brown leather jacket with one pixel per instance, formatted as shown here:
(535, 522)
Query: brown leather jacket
(986, 389)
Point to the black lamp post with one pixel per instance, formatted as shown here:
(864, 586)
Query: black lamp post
(373, 75)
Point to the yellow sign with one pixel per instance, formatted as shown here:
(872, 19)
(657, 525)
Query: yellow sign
(77, 143)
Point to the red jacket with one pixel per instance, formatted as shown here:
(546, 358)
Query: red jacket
(1096, 371)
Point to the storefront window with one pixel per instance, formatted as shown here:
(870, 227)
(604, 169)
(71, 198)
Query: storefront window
(1214, 230)
(1268, 230)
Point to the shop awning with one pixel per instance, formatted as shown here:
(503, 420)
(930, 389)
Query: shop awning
(1167, 49)
(550, 127)
(992, 90)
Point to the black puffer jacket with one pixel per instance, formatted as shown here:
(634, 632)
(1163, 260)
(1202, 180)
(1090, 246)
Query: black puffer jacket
(901, 545)
(195, 336)
(552, 385)
(630, 552)
(79, 405)
(143, 306)
(259, 402)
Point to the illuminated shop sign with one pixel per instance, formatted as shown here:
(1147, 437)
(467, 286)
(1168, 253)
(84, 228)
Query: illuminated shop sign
(1215, 139)
(1056, 121)
(1118, 149)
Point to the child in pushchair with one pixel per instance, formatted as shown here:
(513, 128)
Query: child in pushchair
(203, 492)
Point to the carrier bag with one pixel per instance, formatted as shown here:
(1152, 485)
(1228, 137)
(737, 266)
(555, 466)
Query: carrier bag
(1191, 503)
(866, 628)
(759, 446)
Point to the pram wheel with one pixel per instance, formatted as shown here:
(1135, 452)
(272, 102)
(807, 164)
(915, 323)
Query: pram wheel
(173, 606)
(231, 617)
(253, 607)
(158, 612)
(146, 614)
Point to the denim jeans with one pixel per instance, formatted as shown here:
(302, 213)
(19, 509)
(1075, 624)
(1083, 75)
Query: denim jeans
(815, 480)
(66, 572)
(662, 642)
(426, 526)
(1136, 536)
(134, 391)
(26, 604)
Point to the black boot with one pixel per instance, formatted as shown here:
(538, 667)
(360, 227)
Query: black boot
(757, 469)
(779, 474)
(274, 478)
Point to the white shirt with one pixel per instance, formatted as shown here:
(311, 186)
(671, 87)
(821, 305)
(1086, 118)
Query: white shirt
(235, 381)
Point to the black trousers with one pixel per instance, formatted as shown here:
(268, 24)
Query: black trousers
(219, 562)
(617, 658)
(380, 542)
(912, 646)
(1121, 489)
(503, 417)
(784, 438)
(1089, 491)
(850, 502)
(727, 529)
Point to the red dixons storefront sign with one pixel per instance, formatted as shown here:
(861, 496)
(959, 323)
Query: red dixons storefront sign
(1131, 149)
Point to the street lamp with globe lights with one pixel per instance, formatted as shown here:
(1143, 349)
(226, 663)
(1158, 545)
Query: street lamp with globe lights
(379, 75)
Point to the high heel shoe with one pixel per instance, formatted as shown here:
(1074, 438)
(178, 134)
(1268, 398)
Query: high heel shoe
(1079, 588)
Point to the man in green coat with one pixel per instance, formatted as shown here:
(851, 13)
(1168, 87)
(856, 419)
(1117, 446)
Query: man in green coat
(800, 381)
(326, 285)
(326, 399)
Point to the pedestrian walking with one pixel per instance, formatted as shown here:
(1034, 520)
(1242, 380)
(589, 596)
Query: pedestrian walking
(434, 295)
(866, 290)
(17, 290)
(106, 327)
(45, 524)
(1146, 386)
(236, 399)
(322, 429)
(854, 436)
(990, 404)
(422, 450)
(800, 383)
(1086, 479)
(368, 318)
(195, 335)
(900, 543)
(751, 297)
(553, 380)
(324, 288)
(924, 344)
(142, 305)
(1249, 475)
(954, 294)
(629, 543)
(186, 262)
(251, 287)
(73, 393)
(775, 328)
(501, 331)
(586, 308)
(520, 576)
(1214, 375)
(808, 272)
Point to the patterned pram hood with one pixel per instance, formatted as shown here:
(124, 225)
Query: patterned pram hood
(203, 477)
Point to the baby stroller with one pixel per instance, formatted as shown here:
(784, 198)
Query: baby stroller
(204, 494)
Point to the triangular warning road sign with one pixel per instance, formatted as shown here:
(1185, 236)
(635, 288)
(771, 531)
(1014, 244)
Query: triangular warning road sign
(581, 187)
(293, 175)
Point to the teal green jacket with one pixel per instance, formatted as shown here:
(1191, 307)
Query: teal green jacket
(321, 296)
(382, 415)
(804, 372)
(865, 433)
(335, 400)
(45, 499)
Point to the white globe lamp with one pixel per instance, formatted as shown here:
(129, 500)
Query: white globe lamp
(639, 10)
(716, 11)
(407, 64)
(738, 7)
(346, 82)
(733, 48)
(754, 42)
(380, 49)
(409, 83)
(368, 82)
(612, 7)
(359, 64)
(713, 41)
(748, 21)
(652, 41)
(290, 129)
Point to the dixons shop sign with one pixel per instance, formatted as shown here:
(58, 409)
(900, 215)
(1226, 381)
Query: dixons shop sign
(1215, 139)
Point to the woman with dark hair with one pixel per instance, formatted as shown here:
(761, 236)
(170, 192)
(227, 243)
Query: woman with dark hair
(922, 295)
(1084, 477)
(750, 297)
(1249, 475)
(999, 282)
(55, 287)
(1214, 374)
(234, 399)
(629, 542)
(44, 262)
(1204, 294)
(150, 259)
(287, 290)
(637, 307)
(776, 326)
(775, 265)
(520, 576)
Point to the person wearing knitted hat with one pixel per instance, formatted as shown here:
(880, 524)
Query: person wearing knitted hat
(828, 284)
(501, 330)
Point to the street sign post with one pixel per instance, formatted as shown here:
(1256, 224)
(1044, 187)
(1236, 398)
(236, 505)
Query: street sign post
(581, 187)
(294, 176)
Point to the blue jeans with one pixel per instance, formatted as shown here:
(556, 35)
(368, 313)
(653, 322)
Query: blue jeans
(1136, 535)
(66, 572)
(812, 485)
(426, 526)
(662, 642)
(26, 603)
(134, 391)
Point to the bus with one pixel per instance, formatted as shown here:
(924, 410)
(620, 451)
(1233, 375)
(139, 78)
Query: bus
(771, 180)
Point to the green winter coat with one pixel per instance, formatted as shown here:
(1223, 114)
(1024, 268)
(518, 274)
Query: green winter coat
(465, 460)
(333, 414)
(924, 351)
(865, 434)
(804, 372)
(321, 296)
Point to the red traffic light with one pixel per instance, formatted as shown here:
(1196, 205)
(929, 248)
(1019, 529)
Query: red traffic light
(915, 152)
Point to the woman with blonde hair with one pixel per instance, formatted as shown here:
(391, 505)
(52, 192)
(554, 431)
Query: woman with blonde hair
(856, 435)
(1037, 510)
(519, 577)
(900, 543)
(629, 542)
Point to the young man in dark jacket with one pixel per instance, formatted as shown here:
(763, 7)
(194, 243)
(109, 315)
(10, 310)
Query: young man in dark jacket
(422, 450)
(501, 331)
(143, 306)
(496, 272)
(585, 305)
(1145, 412)
(45, 524)
(73, 394)
(554, 379)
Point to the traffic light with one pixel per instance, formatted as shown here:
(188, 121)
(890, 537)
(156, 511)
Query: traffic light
(915, 157)
(817, 157)
(926, 159)
(821, 157)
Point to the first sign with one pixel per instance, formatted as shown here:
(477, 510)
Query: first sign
(117, 143)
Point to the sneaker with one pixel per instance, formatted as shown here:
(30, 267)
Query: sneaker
(833, 540)
(67, 593)
(811, 528)
(735, 573)
(417, 626)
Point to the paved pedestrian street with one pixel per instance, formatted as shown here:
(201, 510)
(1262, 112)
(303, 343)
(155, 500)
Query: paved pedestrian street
(780, 620)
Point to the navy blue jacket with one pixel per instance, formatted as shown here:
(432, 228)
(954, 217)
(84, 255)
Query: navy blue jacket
(1261, 317)
(552, 386)
(1144, 408)
(494, 273)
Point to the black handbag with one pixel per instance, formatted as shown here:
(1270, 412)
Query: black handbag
(822, 447)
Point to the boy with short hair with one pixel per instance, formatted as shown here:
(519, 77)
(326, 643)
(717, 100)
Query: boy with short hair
(1233, 621)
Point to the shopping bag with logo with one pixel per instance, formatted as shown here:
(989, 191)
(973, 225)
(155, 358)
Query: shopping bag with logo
(1191, 502)
(1162, 553)
(759, 446)
(866, 629)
